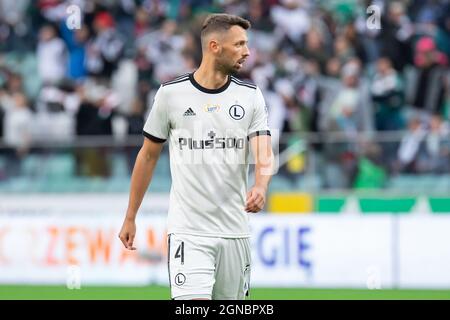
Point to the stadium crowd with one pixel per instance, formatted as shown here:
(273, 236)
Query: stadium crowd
(323, 67)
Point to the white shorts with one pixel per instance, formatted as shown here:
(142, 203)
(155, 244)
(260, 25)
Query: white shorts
(208, 267)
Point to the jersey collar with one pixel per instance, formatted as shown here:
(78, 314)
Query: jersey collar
(206, 90)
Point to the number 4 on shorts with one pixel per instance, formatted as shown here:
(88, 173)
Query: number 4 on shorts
(180, 252)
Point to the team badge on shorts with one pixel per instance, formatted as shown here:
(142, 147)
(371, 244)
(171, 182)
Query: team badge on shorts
(180, 279)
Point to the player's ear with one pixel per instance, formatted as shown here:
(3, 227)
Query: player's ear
(214, 46)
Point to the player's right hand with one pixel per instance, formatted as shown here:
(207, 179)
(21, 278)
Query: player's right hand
(127, 233)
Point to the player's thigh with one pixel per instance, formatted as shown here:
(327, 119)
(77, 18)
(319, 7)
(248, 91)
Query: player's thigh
(191, 266)
(233, 270)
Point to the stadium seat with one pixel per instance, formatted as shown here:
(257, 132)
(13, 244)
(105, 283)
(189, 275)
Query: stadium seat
(420, 183)
(119, 166)
(60, 166)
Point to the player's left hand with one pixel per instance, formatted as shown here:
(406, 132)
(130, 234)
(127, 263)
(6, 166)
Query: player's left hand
(256, 198)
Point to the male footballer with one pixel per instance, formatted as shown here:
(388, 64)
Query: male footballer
(212, 121)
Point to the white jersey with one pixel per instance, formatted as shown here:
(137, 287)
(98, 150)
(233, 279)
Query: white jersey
(208, 132)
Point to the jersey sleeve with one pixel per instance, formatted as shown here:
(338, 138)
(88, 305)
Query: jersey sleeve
(259, 125)
(156, 127)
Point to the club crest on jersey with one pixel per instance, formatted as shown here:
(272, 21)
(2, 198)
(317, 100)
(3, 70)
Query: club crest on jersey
(237, 112)
(210, 108)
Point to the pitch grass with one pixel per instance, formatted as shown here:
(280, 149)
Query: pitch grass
(26, 292)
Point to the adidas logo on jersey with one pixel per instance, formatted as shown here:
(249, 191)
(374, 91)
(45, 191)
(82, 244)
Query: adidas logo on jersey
(189, 112)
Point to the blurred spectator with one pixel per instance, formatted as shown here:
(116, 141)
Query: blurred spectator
(314, 48)
(333, 67)
(435, 156)
(105, 49)
(309, 96)
(349, 109)
(163, 49)
(94, 118)
(369, 171)
(409, 147)
(13, 84)
(426, 91)
(142, 22)
(51, 55)
(14, 30)
(343, 49)
(124, 84)
(291, 21)
(98, 103)
(426, 53)
(258, 15)
(395, 38)
(125, 13)
(346, 110)
(76, 41)
(355, 40)
(55, 117)
(387, 95)
(156, 10)
(52, 10)
(18, 131)
(433, 20)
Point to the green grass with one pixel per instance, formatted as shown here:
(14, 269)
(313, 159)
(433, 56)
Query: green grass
(26, 292)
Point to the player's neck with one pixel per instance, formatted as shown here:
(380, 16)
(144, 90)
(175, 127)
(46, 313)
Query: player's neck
(208, 77)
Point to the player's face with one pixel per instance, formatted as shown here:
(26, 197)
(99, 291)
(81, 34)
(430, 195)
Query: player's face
(234, 50)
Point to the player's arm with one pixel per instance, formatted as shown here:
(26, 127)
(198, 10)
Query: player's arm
(261, 146)
(140, 179)
(156, 131)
